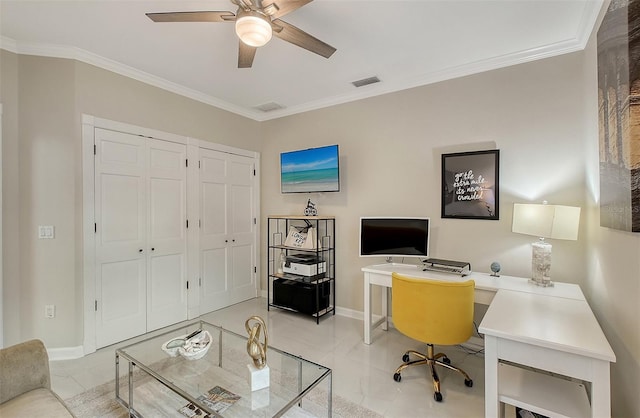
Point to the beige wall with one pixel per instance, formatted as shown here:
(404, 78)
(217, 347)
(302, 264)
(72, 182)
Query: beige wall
(43, 100)
(46, 179)
(390, 163)
(111, 96)
(10, 195)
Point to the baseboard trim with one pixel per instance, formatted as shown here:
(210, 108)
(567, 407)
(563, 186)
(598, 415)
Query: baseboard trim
(65, 353)
(346, 312)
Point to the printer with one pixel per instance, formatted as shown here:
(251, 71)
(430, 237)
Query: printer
(309, 265)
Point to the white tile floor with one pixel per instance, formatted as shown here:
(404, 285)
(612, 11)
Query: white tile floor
(361, 373)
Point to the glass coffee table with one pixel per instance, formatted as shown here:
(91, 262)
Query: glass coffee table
(218, 384)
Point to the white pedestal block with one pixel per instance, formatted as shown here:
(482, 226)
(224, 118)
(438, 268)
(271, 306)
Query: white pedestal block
(258, 378)
(260, 399)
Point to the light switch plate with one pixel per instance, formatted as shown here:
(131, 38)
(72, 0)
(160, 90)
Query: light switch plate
(46, 232)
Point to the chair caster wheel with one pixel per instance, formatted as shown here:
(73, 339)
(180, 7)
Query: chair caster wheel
(446, 360)
(437, 396)
(468, 383)
(397, 377)
(405, 358)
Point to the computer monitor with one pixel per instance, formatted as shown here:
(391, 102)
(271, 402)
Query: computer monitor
(394, 237)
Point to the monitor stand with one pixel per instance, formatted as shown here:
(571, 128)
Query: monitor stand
(448, 266)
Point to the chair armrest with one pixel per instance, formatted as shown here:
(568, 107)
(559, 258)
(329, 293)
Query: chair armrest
(23, 367)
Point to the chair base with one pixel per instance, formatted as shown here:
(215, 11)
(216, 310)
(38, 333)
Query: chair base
(432, 360)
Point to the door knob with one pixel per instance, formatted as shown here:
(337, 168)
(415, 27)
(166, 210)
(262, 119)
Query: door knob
(140, 250)
(153, 249)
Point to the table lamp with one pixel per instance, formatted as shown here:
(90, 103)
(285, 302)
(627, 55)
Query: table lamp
(545, 221)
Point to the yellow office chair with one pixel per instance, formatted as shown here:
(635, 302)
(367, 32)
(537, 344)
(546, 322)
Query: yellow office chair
(433, 312)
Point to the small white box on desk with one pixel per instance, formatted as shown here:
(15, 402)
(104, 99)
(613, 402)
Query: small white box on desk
(258, 378)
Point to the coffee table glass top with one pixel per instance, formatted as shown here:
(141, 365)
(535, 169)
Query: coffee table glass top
(219, 381)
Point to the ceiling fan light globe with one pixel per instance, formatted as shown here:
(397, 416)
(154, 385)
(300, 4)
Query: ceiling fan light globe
(253, 30)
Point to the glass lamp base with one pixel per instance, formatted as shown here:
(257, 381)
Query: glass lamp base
(541, 264)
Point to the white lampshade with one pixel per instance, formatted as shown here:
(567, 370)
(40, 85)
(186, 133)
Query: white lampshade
(253, 29)
(546, 221)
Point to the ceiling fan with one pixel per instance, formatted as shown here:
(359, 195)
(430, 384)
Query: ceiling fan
(256, 21)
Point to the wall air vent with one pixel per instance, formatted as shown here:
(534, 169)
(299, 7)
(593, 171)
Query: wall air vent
(366, 81)
(269, 107)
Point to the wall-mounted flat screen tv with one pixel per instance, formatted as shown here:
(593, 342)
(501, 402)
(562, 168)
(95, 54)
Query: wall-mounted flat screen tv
(394, 237)
(310, 170)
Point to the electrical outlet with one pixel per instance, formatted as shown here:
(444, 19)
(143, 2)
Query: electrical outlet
(49, 311)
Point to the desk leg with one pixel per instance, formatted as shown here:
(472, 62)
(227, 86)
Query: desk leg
(367, 309)
(601, 390)
(491, 402)
(385, 307)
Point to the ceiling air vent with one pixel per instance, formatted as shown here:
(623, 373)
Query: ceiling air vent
(269, 107)
(366, 81)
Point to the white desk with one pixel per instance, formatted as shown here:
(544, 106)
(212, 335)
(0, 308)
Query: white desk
(550, 333)
(485, 290)
(549, 328)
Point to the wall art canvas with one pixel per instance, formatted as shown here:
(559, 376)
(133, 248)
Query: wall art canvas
(470, 185)
(619, 115)
(310, 170)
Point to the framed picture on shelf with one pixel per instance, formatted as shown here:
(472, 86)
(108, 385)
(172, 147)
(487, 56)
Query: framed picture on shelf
(470, 185)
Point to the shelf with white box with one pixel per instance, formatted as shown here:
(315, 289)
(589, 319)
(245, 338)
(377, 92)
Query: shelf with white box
(542, 393)
(301, 264)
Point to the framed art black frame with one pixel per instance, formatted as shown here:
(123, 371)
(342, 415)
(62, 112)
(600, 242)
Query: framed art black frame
(470, 185)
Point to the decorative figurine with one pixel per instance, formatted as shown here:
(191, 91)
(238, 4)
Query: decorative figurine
(495, 268)
(256, 350)
(258, 371)
(311, 209)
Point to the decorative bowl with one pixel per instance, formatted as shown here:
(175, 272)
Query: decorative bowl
(172, 346)
(197, 346)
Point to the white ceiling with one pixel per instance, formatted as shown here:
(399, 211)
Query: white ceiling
(404, 43)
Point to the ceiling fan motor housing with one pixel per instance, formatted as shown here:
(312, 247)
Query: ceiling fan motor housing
(253, 28)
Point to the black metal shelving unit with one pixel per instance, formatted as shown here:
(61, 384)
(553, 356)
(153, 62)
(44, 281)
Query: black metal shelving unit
(312, 294)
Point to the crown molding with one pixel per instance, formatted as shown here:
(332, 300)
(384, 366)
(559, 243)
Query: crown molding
(590, 16)
(8, 44)
(78, 54)
(450, 73)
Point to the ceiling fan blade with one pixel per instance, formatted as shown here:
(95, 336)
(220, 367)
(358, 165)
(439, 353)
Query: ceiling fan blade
(245, 5)
(245, 55)
(191, 16)
(302, 39)
(279, 8)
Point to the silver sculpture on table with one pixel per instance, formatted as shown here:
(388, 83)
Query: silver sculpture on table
(257, 350)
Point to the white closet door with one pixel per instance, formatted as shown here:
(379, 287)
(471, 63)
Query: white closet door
(213, 231)
(120, 193)
(166, 238)
(242, 228)
(227, 232)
